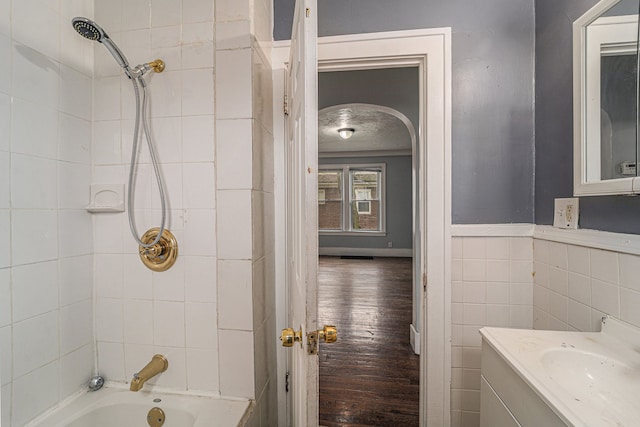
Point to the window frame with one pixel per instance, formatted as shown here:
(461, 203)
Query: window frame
(348, 198)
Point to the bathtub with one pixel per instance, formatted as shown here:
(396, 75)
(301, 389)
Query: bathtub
(118, 407)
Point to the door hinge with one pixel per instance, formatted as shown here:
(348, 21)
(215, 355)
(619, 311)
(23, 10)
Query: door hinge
(308, 12)
(285, 106)
(286, 383)
(424, 282)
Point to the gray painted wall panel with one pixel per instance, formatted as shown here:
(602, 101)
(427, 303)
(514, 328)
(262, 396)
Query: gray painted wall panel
(492, 135)
(554, 125)
(398, 193)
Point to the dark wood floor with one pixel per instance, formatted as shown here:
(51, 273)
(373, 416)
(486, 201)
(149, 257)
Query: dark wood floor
(370, 376)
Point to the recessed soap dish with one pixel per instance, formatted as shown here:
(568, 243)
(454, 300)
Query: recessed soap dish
(106, 198)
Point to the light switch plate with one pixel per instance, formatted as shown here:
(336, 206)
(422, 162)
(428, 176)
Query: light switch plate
(566, 213)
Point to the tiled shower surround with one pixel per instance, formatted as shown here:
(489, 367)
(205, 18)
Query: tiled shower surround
(212, 313)
(66, 120)
(46, 243)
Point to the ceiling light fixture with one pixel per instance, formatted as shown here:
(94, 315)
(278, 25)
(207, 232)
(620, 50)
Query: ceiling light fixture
(346, 133)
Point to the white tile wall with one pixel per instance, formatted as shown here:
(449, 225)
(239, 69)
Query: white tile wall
(139, 312)
(234, 66)
(46, 281)
(245, 207)
(5, 244)
(29, 139)
(5, 117)
(27, 400)
(76, 332)
(571, 289)
(576, 285)
(492, 285)
(35, 343)
(38, 84)
(35, 289)
(236, 352)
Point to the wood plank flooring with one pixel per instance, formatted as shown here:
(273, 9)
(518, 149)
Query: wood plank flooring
(370, 376)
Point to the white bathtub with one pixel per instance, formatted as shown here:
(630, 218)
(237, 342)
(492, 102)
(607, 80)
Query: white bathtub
(116, 407)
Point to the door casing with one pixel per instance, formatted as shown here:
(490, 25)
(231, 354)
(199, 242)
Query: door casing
(430, 51)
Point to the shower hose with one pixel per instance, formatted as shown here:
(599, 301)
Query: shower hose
(141, 115)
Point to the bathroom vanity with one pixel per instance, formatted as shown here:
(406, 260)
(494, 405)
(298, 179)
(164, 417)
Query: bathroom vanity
(558, 378)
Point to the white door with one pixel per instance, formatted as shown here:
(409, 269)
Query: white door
(301, 162)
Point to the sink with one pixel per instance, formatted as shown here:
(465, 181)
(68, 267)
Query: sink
(597, 378)
(585, 378)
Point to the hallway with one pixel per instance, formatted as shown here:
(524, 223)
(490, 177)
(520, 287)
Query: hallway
(370, 376)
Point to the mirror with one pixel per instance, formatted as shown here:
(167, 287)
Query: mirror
(605, 46)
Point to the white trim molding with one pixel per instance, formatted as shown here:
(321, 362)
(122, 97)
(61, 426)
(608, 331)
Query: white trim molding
(414, 336)
(619, 242)
(378, 153)
(606, 240)
(429, 50)
(379, 252)
(492, 230)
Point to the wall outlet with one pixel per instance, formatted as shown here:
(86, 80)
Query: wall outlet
(389, 244)
(566, 213)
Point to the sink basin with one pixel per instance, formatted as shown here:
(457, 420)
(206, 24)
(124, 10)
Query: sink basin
(586, 378)
(593, 377)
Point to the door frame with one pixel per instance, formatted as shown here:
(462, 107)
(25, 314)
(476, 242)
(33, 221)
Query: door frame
(430, 51)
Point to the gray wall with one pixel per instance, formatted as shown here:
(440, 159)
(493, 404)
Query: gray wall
(398, 206)
(554, 121)
(492, 135)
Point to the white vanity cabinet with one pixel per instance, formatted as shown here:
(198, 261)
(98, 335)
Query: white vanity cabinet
(493, 411)
(506, 400)
(534, 378)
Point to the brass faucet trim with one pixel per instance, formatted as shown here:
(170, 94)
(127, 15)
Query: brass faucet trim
(158, 364)
(162, 255)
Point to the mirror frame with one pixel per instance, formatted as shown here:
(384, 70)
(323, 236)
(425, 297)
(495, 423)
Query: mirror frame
(581, 186)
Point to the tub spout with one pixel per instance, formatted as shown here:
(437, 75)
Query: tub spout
(157, 365)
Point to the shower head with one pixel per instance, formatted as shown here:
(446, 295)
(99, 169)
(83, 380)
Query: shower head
(88, 29)
(92, 31)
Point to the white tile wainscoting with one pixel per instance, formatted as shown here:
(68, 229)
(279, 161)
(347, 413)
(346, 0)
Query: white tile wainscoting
(526, 276)
(575, 285)
(492, 285)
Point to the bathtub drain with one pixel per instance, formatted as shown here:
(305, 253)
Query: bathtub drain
(155, 417)
(157, 400)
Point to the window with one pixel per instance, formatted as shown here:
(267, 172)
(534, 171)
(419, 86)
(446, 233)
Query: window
(364, 207)
(351, 198)
(321, 196)
(330, 206)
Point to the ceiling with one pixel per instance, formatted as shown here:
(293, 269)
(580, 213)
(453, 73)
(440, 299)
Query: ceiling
(376, 128)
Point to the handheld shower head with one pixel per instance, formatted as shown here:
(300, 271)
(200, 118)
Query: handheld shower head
(88, 29)
(92, 31)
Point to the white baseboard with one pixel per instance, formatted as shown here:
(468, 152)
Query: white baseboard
(378, 252)
(415, 339)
